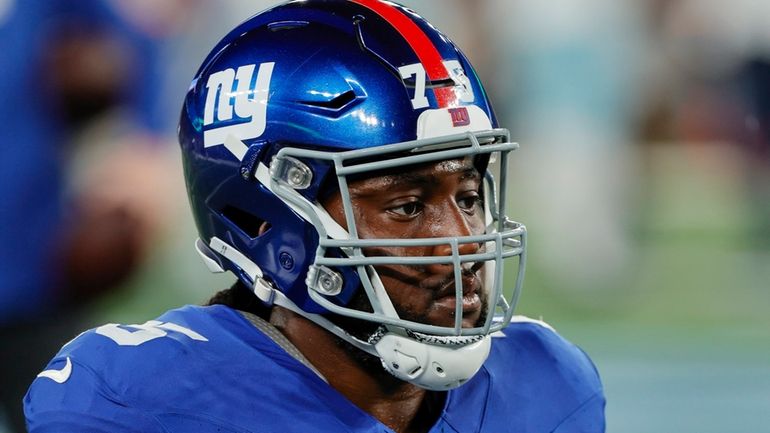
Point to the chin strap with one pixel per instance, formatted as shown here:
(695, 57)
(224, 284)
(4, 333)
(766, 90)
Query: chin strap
(437, 363)
(269, 295)
(264, 290)
(432, 362)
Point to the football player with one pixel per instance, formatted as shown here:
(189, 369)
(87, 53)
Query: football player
(343, 161)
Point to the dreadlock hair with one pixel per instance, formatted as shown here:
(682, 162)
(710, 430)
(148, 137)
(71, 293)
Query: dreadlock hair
(240, 297)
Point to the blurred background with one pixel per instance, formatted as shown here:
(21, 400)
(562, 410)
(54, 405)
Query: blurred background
(643, 178)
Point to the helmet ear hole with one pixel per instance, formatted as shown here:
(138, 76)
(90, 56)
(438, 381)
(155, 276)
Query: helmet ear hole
(264, 227)
(247, 222)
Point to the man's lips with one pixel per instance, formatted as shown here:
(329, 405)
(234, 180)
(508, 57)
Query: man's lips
(471, 303)
(446, 297)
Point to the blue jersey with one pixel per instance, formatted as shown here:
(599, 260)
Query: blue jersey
(214, 369)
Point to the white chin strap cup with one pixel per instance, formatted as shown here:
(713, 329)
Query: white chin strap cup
(433, 367)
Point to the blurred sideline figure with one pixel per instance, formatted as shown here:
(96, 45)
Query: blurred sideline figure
(71, 231)
(571, 86)
(710, 92)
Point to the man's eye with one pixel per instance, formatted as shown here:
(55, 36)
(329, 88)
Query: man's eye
(469, 203)
(408, 209)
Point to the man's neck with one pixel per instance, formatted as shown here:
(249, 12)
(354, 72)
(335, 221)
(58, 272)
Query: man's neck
(400, 405)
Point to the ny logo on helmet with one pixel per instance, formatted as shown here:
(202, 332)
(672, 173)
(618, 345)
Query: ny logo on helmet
(460, 116)
(231, 92)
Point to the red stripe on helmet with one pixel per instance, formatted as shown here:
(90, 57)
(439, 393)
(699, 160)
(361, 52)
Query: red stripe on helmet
(420, 43)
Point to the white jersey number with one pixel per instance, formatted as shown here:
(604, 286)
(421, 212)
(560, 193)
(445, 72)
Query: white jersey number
(143, 333)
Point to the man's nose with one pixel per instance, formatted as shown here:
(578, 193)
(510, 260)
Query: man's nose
(453, 223)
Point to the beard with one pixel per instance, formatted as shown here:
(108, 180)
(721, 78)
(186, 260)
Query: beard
(363, 330)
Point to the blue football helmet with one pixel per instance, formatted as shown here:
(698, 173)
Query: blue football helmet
(293, 102)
